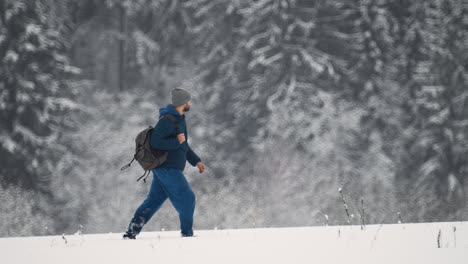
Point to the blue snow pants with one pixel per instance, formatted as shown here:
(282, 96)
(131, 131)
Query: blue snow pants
(167, 183)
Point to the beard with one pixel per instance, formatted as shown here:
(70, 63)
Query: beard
(186, 108)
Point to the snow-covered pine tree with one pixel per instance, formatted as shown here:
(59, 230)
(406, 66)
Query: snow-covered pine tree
(34, 94)
(266, 70)
(442, 107)
(414, 107)
(264, 56)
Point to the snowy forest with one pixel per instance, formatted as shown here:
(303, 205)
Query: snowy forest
(292, 101)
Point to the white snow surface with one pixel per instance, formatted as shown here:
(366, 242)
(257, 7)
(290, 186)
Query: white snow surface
(398, 243)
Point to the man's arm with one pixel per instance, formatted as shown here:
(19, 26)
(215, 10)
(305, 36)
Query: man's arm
(192, 158)
(161, 137)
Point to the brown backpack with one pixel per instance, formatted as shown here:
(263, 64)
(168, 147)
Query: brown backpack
(148, 157)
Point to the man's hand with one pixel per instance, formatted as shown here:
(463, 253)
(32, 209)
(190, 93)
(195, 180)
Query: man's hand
(181, 138)
(201, 167)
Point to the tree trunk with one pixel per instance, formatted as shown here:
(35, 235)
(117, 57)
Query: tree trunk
(123, 36)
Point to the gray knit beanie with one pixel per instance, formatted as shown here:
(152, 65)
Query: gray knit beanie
(180, 97)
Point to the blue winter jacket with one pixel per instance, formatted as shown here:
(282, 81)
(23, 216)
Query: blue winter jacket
(164, 137)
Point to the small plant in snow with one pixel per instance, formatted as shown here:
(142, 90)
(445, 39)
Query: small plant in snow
(362, 214)
(79, 231)
(439, 237)
(340, 190)
(399, 218)
(64, 238)
(455, 236)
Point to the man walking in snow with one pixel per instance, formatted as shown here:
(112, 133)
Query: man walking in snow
(168, 180)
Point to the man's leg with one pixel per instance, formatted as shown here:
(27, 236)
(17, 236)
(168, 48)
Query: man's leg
(149, 207)
(181, 196)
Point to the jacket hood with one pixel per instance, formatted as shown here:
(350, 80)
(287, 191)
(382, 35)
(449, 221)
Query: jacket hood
(169, 109)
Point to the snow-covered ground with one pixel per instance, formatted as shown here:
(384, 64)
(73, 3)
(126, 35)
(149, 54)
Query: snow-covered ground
(399, 243)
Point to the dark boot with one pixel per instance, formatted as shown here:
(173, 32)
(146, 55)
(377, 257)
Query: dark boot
(129, 235)
(188, 235)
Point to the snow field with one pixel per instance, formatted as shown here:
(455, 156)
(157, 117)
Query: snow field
(399, 243)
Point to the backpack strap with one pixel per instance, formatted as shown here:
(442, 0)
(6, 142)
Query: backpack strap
(128, 165)
(144, 176)
(174, 122)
